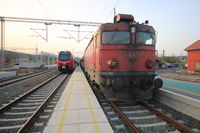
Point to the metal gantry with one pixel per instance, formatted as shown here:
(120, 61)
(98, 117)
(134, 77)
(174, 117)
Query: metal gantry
(47, 22)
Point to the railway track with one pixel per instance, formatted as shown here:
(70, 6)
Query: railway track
(138, 118)
(19, 114)
(8, 81)
(145, 118)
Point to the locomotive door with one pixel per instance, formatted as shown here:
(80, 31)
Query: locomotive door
(95, 52)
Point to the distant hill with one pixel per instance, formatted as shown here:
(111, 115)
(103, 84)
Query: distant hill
(12, 58)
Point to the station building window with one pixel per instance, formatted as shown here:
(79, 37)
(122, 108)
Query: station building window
(198, 65)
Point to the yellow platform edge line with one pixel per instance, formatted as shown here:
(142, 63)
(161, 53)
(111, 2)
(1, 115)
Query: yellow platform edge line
(181, 90)
(64, 113)
(96, 126)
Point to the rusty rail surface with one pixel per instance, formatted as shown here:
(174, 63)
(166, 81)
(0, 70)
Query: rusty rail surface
(31, 120)
(180, 127)
(125, 120)
(9, 105)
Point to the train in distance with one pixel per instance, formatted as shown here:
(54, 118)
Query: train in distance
(120, 59)
(65, 62)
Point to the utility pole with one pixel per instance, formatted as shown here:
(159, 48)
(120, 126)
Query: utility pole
(163, 52)
(2, 41)
(114, 12)
(47, 30)
(41, 59)
(78, 31)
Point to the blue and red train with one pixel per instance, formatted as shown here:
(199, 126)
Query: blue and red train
(65, 61)
(120, 58)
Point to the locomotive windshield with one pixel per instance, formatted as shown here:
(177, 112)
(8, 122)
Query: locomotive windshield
(64, 56)
(145, 38)
(116, 37)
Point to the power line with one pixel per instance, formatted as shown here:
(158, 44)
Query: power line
(3, 10)
(52, 7)
(12, 27)
(111, 11)
(105, 6)
(55, 13)
(44, 8)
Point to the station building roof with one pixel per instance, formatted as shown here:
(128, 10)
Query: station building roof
(193, 46)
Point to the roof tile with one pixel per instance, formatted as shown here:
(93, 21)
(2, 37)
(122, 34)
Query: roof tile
(193, 46)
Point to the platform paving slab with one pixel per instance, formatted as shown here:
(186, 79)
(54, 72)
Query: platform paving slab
(78, 110)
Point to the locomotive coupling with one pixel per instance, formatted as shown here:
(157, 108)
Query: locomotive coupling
(117, 84)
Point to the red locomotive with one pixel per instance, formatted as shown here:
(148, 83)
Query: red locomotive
(65, 61)
(120, 58)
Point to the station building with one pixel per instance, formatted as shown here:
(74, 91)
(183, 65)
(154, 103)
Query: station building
(194, 56)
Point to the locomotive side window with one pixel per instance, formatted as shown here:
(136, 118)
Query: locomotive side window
(116, 37)
(64, 56)
(144, 38)
(95, 41)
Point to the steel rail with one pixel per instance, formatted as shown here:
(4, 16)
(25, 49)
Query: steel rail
(21, 78)
(9, 105)
(180, 127)
(125, 120)
(36, 113)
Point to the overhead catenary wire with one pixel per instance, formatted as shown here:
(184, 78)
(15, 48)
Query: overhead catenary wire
(48, 12)
(70, 35)
(52, 7)
(54, 14)
(46, 24)
(12, 27)
(104, 9)
(111, 11)
(44, 8)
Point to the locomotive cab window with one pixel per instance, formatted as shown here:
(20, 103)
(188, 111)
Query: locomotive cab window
(64, 56)
(116, 37)
(144, 38)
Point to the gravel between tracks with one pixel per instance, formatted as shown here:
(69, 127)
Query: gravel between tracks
(188, 121)
(48, 87)
(9, 92)
(43, 119)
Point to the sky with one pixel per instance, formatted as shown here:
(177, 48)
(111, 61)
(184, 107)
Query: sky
(176, 22)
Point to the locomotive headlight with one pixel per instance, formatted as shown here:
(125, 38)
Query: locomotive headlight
(112, 63)
(149, 64)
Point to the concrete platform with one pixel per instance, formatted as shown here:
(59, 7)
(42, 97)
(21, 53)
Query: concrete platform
(7, 74)
(78, 110)
(185, 88)
(182, 103)
(180, 95)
